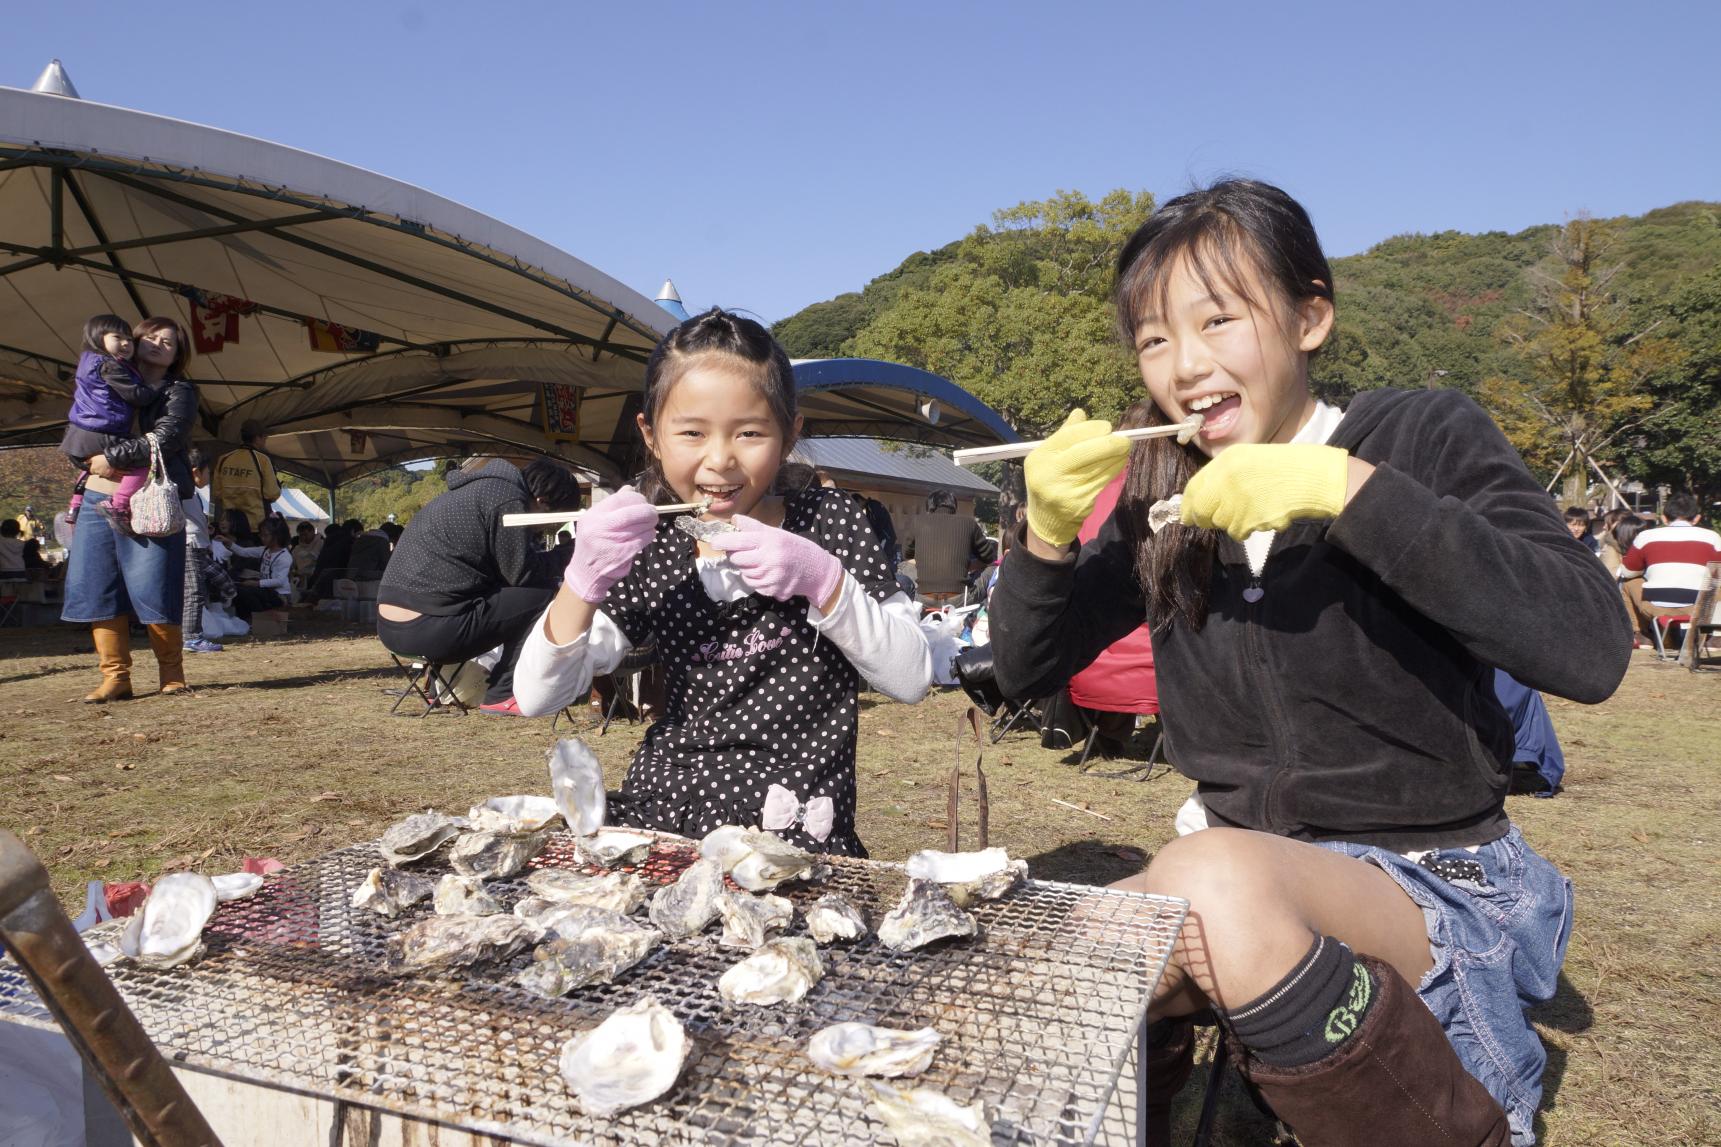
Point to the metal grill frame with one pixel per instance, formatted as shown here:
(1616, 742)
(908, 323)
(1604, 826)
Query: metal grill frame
(1039, 1012)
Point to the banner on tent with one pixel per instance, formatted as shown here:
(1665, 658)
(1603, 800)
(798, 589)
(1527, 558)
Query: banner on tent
(561, 411)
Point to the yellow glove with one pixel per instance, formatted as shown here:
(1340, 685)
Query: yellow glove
(1066, 473)
(1266, 487)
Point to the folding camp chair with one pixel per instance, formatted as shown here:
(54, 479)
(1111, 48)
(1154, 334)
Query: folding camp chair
(431, 682)
(626, 680)
(9, 614)
(973, 669)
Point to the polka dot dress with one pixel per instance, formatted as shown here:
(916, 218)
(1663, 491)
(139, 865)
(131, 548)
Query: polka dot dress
(754, 696)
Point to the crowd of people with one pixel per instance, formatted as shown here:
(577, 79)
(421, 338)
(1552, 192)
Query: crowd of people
(1327, 595)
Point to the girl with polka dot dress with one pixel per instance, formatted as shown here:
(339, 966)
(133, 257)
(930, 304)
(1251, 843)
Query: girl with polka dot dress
(765, 631)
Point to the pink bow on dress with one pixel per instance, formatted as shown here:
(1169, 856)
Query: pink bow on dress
(784, 810)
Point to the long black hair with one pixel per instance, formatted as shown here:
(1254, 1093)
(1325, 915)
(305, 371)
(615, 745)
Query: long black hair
(721, 332)
(1221, 231)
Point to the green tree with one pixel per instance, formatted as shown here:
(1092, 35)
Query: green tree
(1680, 440)
(1585, 367)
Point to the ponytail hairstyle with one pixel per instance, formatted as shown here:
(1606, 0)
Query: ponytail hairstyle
(721, 332)
(1221, 232)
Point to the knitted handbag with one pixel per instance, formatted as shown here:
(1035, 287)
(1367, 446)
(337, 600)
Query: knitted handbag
(156, 511)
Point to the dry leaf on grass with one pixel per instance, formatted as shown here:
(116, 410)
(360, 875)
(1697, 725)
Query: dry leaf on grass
(62, 777)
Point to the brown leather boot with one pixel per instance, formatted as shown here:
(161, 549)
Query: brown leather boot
(169, 657)
(1161, 1074)
(113, 654)
(1395, 1080)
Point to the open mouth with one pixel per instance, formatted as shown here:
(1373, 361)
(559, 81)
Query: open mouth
(1219, 412)
(719, 496)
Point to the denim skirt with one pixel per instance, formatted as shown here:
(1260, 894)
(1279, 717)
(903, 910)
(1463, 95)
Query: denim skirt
(109, 574)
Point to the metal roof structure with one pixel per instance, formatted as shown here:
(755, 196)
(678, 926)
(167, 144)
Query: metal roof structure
(365, 321)
(914, 469)
(869, 398)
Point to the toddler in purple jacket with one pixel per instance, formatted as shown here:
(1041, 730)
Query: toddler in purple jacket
(105, 393)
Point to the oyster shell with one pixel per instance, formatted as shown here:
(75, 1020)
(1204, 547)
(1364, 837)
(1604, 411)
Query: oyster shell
(924, 1118)
(236, 885)
(861, 1049)
(416, 837)
(102, 952)
(389, 891)
(769, 862)
(748, 920)
(834, 917)
(924, 914)
(631, 1058)
(726, 845)
(782, 971)
(616, 891)
(970, 877)
(613, 847)
(440, 942)
(687, 906)
(168, 930)
(586, 946)
(494, 855)
(458, 895)
(515, 814)
(577, 783)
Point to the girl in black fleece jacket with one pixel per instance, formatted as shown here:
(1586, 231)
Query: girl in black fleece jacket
(1328, 605)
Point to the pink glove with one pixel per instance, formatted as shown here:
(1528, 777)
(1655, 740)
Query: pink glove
(606, 540)
(779, 564)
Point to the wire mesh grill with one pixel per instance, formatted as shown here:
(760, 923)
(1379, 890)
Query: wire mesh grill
(1038, 1012)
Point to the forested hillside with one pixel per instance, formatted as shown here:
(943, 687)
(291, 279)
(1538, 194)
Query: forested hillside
(1606, 332)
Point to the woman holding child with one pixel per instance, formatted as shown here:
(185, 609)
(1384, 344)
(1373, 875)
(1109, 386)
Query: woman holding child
(112, 573)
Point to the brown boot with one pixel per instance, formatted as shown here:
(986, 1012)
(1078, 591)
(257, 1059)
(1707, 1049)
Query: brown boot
(1395, 1080)
(170, 657)
(113, 653)
(1161, 1074)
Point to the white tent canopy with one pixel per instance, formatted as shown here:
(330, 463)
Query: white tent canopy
(364, 320)
(297, 506)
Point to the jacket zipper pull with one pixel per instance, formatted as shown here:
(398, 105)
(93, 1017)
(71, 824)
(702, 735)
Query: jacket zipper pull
(1256, 590)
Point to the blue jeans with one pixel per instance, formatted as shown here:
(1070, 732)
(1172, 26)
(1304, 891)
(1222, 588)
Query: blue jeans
(1498, 946)
(109, 574)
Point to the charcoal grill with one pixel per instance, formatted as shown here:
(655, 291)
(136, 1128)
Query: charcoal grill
(1039, 1013)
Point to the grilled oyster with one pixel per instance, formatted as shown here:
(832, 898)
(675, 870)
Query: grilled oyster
(236, 885)
(586, 946)
(782, 971)
(613, 847)
(834, 917)
(577, 783)
(494, 855)
(748, 920)
(770, 861)
(924, 914)
(631, 1058)
(515, 814)
(726, 845)
(970, 877)
(389, 891)
(687, 906)
(440, 942)
(458, 895)
(417, 837)
(923, 1118)
(168, 930)
(861, 1049)
(617, 891)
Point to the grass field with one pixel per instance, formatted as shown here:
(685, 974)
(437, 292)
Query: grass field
(286, 750)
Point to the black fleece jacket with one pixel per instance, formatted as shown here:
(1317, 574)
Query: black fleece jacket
(1354, 701)
(170, 415)
(456, 550)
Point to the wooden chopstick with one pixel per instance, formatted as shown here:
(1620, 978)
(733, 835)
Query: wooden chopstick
(1022, 449)
(556, 519)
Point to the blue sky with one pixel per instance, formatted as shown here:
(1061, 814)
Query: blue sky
(768, 156)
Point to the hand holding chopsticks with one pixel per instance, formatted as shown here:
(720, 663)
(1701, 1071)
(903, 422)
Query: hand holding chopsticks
(1184, 431)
